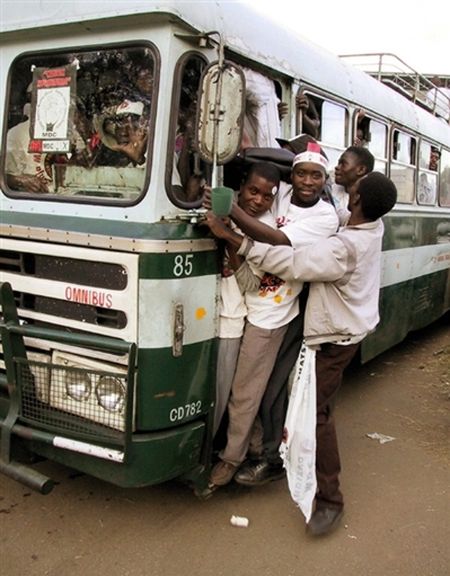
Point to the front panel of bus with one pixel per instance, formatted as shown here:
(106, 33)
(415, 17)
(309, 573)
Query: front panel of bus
(114, 281)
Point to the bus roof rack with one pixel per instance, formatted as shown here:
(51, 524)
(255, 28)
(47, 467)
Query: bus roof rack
(430, 91)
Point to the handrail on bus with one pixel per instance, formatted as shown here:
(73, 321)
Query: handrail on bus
(388, 68)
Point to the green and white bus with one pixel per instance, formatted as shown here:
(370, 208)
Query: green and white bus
(113, 114)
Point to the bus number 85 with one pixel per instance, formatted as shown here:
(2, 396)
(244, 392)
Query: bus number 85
(183, 265)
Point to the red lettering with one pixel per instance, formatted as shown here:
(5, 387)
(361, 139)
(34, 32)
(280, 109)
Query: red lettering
(53, 83)
(86, 296)
(54, 72)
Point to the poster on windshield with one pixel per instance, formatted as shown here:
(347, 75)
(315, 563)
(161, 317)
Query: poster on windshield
(51, 109)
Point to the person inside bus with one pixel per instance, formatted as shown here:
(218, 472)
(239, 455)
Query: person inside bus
(435, 156)
(361, 128)
(123, 135)
(256, 195)
(263, 110)
(354, 163)
(339, 314)
(26, 171)
(302, 218)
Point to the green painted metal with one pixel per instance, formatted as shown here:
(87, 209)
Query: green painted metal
(161, 266)
(152, 458)
(405, 307)
(164, 230)
(171, 391)
(13, 347)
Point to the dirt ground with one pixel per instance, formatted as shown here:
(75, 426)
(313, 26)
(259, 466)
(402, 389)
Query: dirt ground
(397, 519)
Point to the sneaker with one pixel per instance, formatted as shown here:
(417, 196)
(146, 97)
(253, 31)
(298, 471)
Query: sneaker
(259, 473)
(222, 473)
(324, 520)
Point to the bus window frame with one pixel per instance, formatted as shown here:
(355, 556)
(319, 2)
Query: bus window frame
(380, 161)
(172, 189)
(442, 182)
(87, 200)
(411, 166)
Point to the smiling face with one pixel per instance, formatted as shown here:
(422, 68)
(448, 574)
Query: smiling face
(308, 180)
(256, 195)
(348, 170)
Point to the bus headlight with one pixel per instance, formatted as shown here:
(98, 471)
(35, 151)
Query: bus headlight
(110, 393)
(78, 386)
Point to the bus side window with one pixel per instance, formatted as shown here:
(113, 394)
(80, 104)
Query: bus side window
(444, 183)
(308, 116)
(334, 128)
(427, 179)
(185, 169)
(376, 134)
(403, 165)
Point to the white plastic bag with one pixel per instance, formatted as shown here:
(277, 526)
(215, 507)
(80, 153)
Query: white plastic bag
(298, 449)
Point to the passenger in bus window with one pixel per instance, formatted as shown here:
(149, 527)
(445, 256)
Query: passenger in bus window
(354, 163)
(263, 111)
(362, 125)
(122, 130)
(26, 171)
(255, 197)
(344, 274)
(435, 156)
(310, 115)
(187, 162)
(302, 218)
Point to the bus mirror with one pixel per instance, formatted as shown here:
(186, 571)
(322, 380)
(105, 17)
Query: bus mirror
(221, 112)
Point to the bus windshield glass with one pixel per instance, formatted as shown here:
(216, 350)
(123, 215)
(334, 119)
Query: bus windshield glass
(79, 124)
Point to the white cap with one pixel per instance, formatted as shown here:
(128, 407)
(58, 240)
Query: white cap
(312, 154)
(129, 107)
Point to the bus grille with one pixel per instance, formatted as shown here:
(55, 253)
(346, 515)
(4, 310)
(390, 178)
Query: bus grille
(93, 280)
(80, 401)
(105, 275)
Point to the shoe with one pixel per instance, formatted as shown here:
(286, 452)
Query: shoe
(222, 474)
(324, 520)
(259, 473)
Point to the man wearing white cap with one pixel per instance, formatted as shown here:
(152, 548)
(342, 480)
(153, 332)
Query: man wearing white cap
(122, 129)
(302, 218)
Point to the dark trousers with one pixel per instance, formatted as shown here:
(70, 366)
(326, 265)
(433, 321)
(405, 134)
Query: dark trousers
(272, 411)
(331, 360)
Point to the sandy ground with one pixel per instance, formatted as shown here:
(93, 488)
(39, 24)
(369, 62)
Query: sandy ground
(397, 519)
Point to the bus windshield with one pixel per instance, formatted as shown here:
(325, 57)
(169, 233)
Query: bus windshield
(79, 124)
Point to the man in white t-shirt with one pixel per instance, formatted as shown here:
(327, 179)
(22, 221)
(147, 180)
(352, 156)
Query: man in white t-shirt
(303, 218)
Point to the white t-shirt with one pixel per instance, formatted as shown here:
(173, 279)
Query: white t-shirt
(276, 303)
(232, 306)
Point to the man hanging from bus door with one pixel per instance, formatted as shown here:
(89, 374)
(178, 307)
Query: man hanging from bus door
(303, 219)
(344, 274)
(256, 196)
